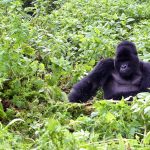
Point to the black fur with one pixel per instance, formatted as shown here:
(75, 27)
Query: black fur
(120, 77)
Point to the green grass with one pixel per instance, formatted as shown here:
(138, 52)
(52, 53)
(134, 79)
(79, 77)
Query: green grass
(49, 46)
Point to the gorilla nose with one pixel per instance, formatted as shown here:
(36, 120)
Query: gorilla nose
(123, 67)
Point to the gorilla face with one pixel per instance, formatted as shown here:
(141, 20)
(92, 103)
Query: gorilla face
(126, 61)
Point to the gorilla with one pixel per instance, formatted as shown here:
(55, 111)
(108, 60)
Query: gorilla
(123, 76)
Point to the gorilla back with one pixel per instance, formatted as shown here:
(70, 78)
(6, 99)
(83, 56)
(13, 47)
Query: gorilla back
(120, 77)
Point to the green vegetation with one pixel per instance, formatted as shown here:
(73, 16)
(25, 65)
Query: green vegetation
(48, 45)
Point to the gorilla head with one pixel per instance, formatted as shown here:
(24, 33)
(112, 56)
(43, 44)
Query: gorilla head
(126, 61)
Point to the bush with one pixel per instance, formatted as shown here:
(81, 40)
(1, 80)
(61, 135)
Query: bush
(47, 46)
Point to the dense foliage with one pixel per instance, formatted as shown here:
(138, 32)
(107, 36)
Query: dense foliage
(48, 45)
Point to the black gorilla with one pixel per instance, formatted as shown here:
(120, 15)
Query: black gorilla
(120, 77)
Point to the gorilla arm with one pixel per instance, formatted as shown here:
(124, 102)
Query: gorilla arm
(88, 86)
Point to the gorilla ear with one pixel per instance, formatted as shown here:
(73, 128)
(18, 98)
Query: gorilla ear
(135, 53)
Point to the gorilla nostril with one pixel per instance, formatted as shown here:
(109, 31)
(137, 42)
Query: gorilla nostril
(124, 66)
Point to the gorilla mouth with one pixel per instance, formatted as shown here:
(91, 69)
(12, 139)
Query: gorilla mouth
(126, 75)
